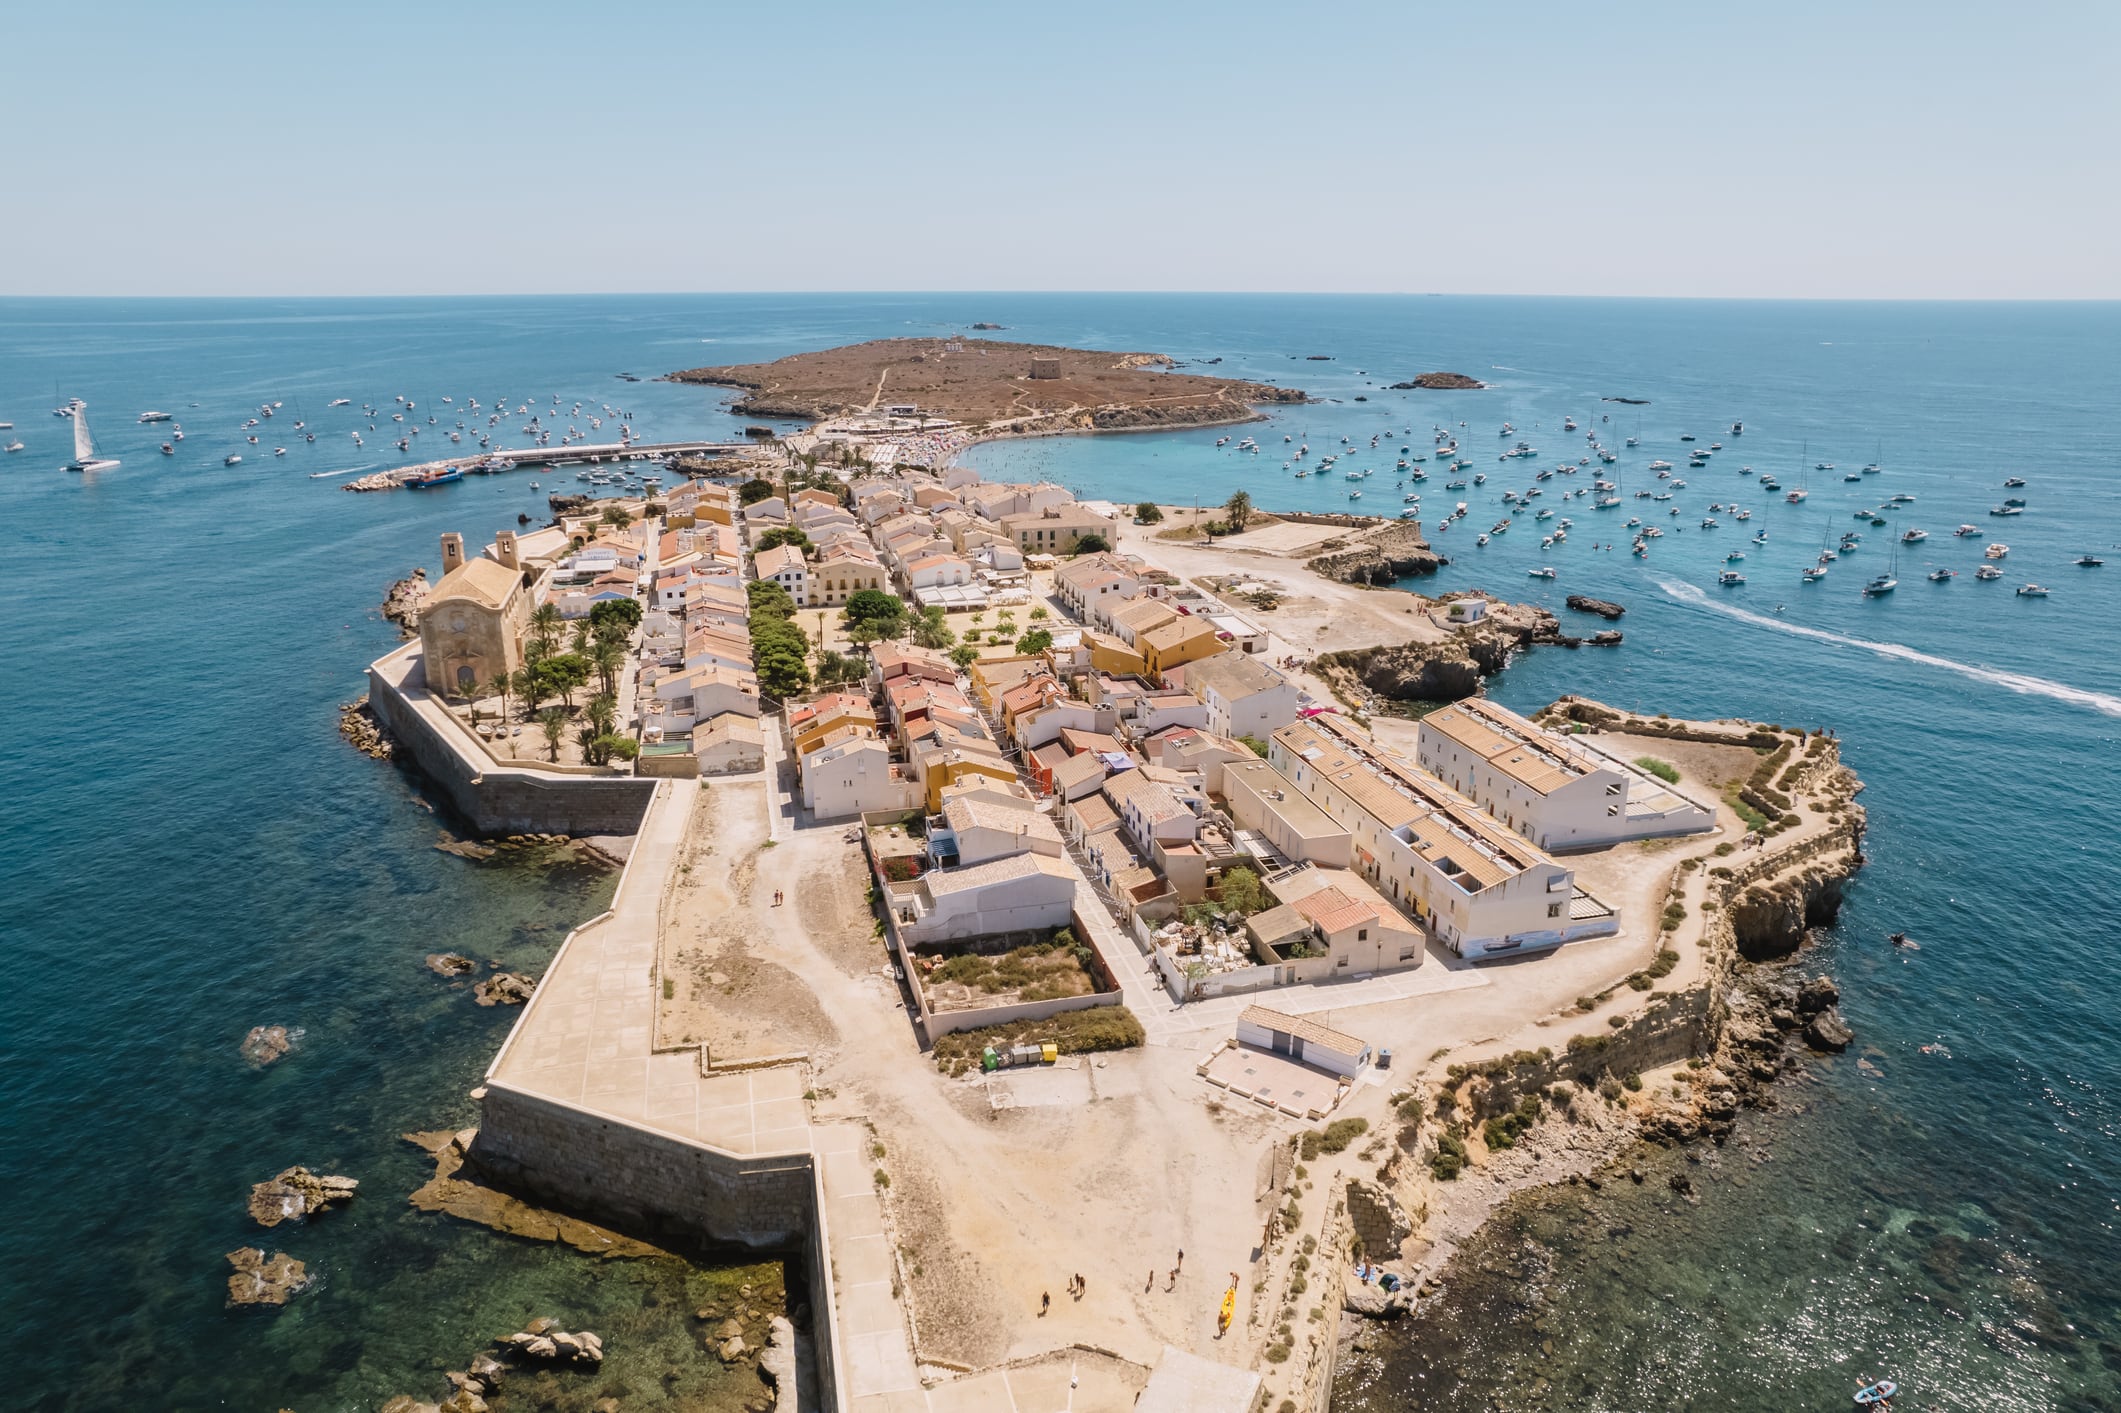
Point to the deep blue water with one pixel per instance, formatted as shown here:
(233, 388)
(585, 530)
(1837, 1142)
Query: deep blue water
(192, 851)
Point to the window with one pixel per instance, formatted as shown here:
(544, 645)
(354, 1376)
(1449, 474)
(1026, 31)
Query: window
(1406, 954)
(1553, 910)
(1362, 934)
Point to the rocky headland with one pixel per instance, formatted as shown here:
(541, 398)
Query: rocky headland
(404, 600)
(1445, 670)
(1573, 1112)
(1378, 556)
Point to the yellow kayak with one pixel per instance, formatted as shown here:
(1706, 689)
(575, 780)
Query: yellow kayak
(1229, 1306)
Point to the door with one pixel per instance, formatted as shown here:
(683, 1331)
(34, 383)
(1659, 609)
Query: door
(1281, 1042)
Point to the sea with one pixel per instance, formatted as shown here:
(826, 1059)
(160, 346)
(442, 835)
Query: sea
(192, 850)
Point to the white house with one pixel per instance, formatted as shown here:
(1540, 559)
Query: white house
(852, 773)
(1018, 893)
(1245, 696)
(1479, 889)
(1544, 785)
(1318, 1045)
(785, 565)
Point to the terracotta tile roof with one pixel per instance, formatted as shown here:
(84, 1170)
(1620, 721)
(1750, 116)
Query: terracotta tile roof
(1334, 911)
(1309, 1031)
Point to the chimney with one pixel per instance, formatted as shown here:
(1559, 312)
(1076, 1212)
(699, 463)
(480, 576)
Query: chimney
(504, 543)
(452, 551)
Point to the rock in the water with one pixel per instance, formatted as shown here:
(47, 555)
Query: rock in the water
(504, 989)
(1604, 608)
(267, 1043)
(731, 1350)
(406, 1403)
(1605, 638)
(1439, 382)
(403, 601)
(1827, 1031)
(260, 1279)
(364, 731)
(297, 1193)
(450, 964)
(465, 848)
(554, 1345)
(1817, 995)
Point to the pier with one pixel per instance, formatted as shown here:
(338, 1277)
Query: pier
(575, 455)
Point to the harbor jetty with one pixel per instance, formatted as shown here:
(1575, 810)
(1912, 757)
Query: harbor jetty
(498, 462)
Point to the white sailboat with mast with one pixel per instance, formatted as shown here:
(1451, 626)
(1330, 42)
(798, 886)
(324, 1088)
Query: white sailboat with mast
(85, 458)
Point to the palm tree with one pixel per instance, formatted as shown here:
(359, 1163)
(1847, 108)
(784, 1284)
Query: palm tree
(1237, 510)
(553, 722)
(501, 686)
(582, 632)
(608, 657)
(525, 681)
(603, 713)
(544, 630)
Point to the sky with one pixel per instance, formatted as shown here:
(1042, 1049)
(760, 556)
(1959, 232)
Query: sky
(1928, 149)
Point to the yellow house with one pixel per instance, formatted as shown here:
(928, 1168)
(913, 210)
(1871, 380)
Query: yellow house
(942, 757)
(1109, 654)
(1175, 644)
(992, 676)
(810, 723)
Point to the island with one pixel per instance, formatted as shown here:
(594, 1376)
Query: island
(991, 856)
(1439, 382)
(1008, 386)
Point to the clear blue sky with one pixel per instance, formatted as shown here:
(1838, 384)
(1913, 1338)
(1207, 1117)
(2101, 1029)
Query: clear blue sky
(1932, 149)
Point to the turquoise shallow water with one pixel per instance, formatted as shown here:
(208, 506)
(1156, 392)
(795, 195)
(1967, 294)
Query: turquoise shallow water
(191, 851)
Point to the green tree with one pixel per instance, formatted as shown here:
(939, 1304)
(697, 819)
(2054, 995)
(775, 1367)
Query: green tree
(1035, 641)
(609, 659)
(563, 674)
(1253, 744)
(580, 638)
(545, 628)
(783, 535)
(1041, 614)
(1092, 543)
(1237, 510)
(525, 682)
(885, 613)
(622, 615)
(834, 669)
(765, 596)
(929, 630)
(1242, 892)
(502, 685)
(613, 515)
(553, 722)
(603, 712)
(754, 490)
(1149, 513)
(964, 655)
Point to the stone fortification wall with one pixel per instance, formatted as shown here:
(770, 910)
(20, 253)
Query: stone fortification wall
(499, 799)
(644, 1180)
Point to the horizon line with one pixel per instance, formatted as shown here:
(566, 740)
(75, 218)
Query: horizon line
(1077, 293)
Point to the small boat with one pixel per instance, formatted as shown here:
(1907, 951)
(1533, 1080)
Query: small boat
(1814, 575)
(1883, 584)
(231, 460)
(2088, 561)
(1884, 1389)
(168, 450)
(1913, 536)
(1939, 576)
(1966, 530)
(1543, 572)
(147, 417)
(1987, 572)
(340, 402)
(1996, 550)
(1730, 577)
(279, 451)
(2006, 510)
(14, 446)
(2031, 591)
(443, 477)
(2013, 482)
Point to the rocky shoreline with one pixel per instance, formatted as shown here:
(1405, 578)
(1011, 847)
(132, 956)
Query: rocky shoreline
(1494, 1130)
(1455, 667)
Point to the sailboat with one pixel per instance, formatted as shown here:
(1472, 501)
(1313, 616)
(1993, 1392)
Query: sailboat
(1886, 582)
(1804, 479)
(85, 458)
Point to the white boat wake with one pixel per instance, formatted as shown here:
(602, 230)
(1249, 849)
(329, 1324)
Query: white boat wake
(2013, 681)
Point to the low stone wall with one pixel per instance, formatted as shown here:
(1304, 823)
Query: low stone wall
(499, 799)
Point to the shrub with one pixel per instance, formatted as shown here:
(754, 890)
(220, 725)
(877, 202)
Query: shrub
(1504, 1130)
(1674, 914)
(1074, 1032)
(1666, 960)
(1639, 981)
(1616, 1021)
(1588, 1044)
(1334, 1137)
(1633, 1083)
(1725, 849)
(1277, 1354)
(1450, 1158)
(1149, 513)
(1663, 770)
